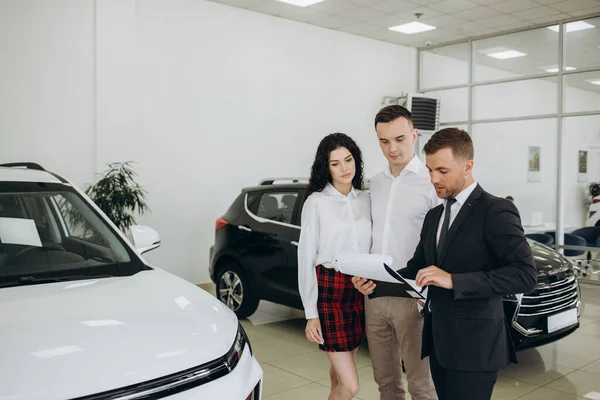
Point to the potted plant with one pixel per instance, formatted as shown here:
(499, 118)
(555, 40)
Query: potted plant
(594, 189)
(592, 201)
(118, 195)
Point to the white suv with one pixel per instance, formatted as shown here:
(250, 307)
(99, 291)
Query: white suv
(84, 316)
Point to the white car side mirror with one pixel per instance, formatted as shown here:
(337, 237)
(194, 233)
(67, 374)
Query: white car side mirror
(144, 238)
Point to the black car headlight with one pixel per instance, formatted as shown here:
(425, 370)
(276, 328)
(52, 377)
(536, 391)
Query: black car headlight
(235, 354)
(242, 340)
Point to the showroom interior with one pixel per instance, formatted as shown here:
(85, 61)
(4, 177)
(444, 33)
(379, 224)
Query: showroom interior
(208, 97)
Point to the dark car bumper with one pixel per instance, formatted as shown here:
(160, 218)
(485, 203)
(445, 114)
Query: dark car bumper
(531, 331)
(538, 340)
(547, 314)
(211, 267)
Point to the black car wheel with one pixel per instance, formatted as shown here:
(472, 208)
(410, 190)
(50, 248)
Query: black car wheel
(234, 291)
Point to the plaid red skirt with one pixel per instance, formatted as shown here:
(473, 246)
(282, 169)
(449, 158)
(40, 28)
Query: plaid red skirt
(341, 311)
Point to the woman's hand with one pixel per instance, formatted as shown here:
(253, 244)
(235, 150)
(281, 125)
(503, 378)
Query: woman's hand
(313, 331)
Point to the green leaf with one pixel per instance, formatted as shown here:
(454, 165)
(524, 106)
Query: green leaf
(118, 195)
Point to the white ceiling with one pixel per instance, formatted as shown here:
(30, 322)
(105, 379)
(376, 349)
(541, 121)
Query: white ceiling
(581, 49)
(454, 19)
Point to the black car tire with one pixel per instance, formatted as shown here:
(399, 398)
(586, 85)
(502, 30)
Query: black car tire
(231, 276)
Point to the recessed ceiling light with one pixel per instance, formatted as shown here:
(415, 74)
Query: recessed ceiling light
(502, 53)
(301, 3)
(554, 68)
(412, 27)
(102, 322)
(505, 55)
(573, 26)
(594, 81)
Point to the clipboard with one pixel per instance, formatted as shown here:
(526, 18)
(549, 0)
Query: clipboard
(409, 286)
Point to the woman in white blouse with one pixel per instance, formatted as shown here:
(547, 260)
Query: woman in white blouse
(336, 218)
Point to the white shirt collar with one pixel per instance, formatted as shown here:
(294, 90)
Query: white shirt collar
(330, 190)
(413, 166)
(462, 197)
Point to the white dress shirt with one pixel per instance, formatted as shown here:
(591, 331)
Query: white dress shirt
(398, 207)
(331, 224)
(461, 199)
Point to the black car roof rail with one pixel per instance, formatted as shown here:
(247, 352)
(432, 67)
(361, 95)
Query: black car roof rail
(270, 181)
(34, 166)
(28, 165)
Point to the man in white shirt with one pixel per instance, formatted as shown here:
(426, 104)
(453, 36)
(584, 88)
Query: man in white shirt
(401, 196)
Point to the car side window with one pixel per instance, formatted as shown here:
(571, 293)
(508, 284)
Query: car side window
(252, 200)
(277, 206)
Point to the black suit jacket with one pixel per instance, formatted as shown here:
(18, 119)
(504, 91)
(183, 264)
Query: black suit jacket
(488, 256)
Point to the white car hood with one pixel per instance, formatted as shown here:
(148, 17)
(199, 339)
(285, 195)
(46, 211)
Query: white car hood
(70, 339)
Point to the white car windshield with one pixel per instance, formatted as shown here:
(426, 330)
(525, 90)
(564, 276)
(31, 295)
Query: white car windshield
(49, 233)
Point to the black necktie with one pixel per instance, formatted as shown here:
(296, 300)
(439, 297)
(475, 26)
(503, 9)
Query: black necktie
(445, 227)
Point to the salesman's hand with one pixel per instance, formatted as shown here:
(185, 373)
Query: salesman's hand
(363, 285)
(434, 276)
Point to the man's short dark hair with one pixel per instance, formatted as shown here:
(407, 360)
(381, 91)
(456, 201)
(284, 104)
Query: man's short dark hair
(510, 198)
(455, 139)
(392, 113)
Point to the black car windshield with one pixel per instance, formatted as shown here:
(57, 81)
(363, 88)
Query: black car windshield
(49, 233)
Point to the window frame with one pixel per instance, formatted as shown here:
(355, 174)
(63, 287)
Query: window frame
(262, 220)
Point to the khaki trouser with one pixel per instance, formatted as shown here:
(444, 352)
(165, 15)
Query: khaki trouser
(394, 329)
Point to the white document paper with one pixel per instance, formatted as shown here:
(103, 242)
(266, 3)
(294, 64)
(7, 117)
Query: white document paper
(19, 231)
(376, 267)
(370, 266)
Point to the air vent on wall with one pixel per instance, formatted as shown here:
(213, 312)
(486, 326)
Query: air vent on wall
(425, 110)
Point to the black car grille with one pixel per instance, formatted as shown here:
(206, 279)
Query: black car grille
(173, 384)
(553, 293)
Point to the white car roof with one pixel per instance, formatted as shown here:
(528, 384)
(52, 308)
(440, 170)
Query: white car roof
(15, 174)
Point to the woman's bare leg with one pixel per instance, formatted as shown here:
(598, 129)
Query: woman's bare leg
(344, 367)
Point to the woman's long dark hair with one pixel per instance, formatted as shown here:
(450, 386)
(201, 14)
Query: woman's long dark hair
(320, 175)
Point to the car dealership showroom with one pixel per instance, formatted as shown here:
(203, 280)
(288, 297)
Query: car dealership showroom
(208, 199)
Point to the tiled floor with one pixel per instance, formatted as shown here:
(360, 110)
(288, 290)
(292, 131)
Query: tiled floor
(295, 369)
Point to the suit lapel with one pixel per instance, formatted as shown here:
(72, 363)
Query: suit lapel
(431, 246)
(460, 218)
(435, 221)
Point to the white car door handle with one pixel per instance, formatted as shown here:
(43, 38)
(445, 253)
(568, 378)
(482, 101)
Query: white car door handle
(295, 243)
(244, 228)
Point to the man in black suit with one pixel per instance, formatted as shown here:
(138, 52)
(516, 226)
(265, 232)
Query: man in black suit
(469, 258)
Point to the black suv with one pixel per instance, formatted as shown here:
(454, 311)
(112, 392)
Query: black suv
(255, 257)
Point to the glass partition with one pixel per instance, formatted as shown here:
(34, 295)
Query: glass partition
(515, 55)
(535, 125)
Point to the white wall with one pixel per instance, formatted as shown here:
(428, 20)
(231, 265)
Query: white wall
(47, 84)
(501, 161)
(228, 97)
(581, 133)
(205, 98)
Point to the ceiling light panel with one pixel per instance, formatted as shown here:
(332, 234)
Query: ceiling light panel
(412, 28)
(301, 3)
(507, 54)
(573, 26)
